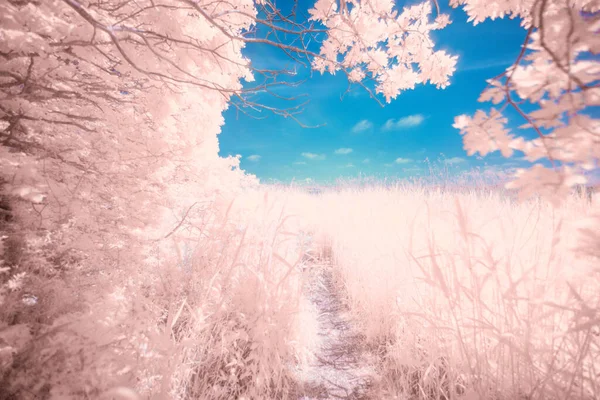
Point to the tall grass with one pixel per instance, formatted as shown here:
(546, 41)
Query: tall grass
(212, 313)
(240, 329)
(467, 293)
(460, 290)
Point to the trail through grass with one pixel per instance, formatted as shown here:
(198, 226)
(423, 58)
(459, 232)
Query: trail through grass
(340, 366)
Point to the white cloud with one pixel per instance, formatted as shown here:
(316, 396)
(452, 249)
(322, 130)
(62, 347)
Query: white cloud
(300, 163)
(411, 170)
(362, 126)
(366, 161)
(313, 156)
(254, 157)
(357, 93)
(404, 122)
(343, 151)
(401, 160)
(455, 160)
(486, 64)
(349, 165)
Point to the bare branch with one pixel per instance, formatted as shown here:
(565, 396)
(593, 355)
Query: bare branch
(181, 222)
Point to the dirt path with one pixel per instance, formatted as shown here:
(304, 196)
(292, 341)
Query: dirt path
(340, 367)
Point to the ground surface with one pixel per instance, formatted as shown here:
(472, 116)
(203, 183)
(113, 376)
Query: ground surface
(340, 366)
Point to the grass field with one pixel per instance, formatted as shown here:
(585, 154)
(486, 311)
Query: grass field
(466, 293)
(453, 293)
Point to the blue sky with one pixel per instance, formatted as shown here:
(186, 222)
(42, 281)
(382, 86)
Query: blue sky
(361, 137)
